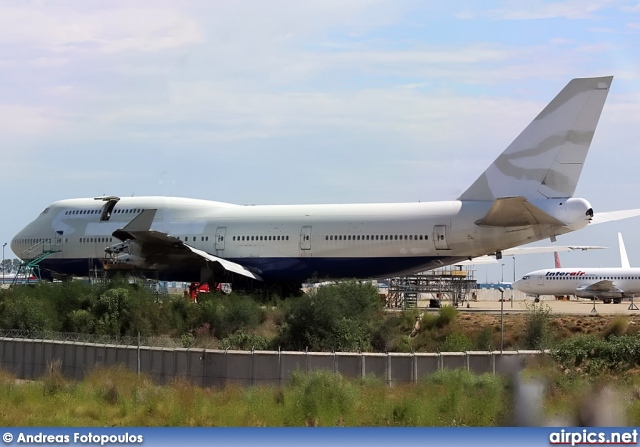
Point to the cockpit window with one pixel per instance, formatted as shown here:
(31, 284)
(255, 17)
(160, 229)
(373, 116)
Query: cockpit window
(525, 277)
(46, 210)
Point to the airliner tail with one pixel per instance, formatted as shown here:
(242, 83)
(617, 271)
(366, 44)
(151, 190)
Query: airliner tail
(546, 159)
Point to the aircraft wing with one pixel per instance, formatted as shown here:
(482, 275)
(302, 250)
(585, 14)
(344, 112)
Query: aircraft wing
(600, 286)
(489, 259)
(610, 216)
(548, 249)
(160, 247)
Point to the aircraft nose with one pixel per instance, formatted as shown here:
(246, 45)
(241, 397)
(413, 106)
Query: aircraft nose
(15, 243)
(518, 285)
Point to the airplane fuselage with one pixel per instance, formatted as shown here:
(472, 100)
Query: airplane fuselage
(625, 282)
(288, 243)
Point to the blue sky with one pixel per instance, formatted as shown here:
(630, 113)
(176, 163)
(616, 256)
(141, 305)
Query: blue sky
(287, 102)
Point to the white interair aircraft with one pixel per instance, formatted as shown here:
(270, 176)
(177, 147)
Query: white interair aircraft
(608, 284)
(524, 196)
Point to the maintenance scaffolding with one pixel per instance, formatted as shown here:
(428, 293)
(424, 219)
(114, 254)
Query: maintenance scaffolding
(454, 284)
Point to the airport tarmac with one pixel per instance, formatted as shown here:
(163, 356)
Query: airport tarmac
(571, 307)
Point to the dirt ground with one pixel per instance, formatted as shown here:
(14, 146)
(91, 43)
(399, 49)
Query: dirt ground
(566, 318)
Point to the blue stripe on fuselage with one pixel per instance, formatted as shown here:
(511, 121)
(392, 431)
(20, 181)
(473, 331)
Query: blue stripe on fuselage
(277, 269)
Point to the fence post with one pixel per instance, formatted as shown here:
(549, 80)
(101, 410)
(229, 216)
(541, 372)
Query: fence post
(388, 368)
(253, 367)
(226, 366)
(279, 367)
(138, 354)
(335, 361)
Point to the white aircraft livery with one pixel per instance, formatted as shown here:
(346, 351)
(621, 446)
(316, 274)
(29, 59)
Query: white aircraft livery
(607, 284)
(524, 196)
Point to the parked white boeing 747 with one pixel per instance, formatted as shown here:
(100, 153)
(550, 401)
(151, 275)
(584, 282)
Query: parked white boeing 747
(524, 196)
(608, 284)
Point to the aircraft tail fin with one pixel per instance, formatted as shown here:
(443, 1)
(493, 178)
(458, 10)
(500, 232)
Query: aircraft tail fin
(624, 260)
(557, 259)
(546, 159)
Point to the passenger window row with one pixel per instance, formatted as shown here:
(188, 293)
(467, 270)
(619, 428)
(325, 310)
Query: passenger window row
(260, 238)
(32, 240)
(84, 240)
(118, 211)
(589, 277)
(186, 238)
(377, 237)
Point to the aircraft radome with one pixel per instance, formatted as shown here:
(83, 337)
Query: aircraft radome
(524, 196)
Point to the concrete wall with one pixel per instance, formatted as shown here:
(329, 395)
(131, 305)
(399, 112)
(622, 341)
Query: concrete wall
(31, 359)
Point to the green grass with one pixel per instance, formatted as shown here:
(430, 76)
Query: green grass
(116, 397)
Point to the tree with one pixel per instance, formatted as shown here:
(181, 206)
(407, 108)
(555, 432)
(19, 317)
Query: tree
(332, 318)
(8, 265)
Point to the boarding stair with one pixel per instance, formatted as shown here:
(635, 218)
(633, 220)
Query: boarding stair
(29, 269)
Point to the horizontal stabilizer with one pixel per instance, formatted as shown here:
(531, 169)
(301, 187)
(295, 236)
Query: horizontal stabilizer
(611, 216)
(227, 265)
(516, 212)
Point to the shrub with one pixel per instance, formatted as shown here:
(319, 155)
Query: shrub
(537, 334)
(591, 354)
(187, 340)
(446, 315)
(240, 312)
(112, 312)
(245, 341)
(617, 327)
(484, 341)
(230, 314)
(337, 317)
(27, 313)
(183, 315)
(81, 321)
(429, 321)
(322, 398)
(456, 342)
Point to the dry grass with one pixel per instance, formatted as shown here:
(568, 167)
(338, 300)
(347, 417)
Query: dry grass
(561, 326)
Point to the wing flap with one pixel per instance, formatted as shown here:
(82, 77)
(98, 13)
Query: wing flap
(227, 265)
(516, 212)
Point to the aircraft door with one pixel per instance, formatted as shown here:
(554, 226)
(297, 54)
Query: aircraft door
(56, 244)
(305, 238)
(540, 280)
(220, 232)
(440, 237)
